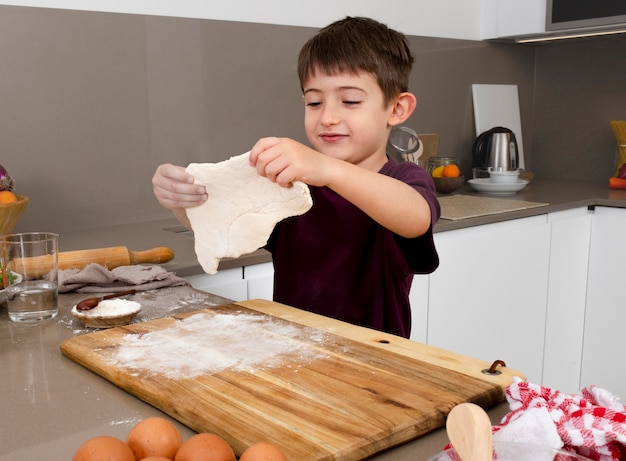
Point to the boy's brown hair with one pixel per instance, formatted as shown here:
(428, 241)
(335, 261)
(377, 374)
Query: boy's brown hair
(357, 44)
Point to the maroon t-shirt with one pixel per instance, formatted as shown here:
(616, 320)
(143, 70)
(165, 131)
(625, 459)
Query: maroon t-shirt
(336, 261)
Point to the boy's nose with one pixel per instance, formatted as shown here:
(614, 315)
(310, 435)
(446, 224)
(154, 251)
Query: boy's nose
(330, 116)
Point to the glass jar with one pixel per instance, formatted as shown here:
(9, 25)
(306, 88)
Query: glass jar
(436, 162)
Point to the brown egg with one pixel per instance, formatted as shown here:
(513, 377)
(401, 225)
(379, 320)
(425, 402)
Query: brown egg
(154, 437)
(263, 451)
(156, 458)
(205, 447)
(103, 448)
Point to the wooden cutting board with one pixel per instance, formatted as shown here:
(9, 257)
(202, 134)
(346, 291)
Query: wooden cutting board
(318, 388)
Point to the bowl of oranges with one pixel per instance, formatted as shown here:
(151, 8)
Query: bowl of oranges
(446, 174)
(11, 205)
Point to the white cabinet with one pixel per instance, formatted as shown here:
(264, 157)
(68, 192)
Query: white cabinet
(418, 297)
(228, 283)
(260, 280)
(488, 297)
(605, 319)
(248, 282)
(567, 289)
(507, 18)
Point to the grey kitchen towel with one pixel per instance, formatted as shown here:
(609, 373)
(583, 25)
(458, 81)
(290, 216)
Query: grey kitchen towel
(95, 278)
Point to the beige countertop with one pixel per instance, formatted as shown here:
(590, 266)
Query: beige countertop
(559, 195)
(51, 405)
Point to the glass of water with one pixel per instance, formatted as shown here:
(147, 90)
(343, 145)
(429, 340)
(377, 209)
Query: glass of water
(29, 268)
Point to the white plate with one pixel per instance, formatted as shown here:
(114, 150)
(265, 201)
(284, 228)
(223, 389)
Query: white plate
(485, 185)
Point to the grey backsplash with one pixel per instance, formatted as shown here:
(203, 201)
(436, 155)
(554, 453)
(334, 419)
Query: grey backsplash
(92, 103)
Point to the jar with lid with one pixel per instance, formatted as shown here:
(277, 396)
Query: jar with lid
(436, 165)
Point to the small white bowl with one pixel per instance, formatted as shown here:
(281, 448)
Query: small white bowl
(504, 177)
(109, 313)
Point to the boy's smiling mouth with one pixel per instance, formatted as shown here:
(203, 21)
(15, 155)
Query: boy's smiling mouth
(332, 137)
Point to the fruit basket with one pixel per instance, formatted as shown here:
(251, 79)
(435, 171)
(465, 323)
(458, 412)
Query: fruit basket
(10, 214)
(445, 173)
(448, 185)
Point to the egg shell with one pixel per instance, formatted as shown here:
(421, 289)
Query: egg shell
(263, 451)
(205, 447)
(154, 436)
(156, 458)
(103, 448)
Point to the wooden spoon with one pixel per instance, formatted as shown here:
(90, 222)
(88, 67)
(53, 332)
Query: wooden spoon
(90, 303)
(469, 430)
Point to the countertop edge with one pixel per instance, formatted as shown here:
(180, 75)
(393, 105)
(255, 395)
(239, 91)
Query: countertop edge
(558, 195)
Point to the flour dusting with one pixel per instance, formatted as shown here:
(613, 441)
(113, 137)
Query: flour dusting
(207, 343)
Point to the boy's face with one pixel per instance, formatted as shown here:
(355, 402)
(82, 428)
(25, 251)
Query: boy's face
(345, 117)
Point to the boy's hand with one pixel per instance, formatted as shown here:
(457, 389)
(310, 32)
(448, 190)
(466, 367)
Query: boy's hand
(174, 188)
(283, 161)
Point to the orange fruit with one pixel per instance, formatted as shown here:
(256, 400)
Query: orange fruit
(437, 172)
(451, 171)
(6, 196)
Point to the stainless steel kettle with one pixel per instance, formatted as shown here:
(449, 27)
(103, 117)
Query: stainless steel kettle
(497, 149)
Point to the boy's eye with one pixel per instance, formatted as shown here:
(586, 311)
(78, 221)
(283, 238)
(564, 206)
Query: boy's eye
(351, 103)
(312, 103)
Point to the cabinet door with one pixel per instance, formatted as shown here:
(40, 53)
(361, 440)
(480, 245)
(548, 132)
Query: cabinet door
(506, 18)
(228, 283)
(418, 297)
(605, 319)
(260, 280)
(487, 299)
(567, 288)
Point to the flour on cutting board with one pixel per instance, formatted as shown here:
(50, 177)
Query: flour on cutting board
(207, 343)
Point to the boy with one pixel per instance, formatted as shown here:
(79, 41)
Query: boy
(353, 255)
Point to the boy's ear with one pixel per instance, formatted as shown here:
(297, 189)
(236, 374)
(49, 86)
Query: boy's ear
(403, 107)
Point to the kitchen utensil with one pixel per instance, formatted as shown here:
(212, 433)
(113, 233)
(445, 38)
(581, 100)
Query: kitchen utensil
(109, 313)
(486, 186)
(111, 257)
(327, 390)
(469, 430)
(498, 105)
(90, 303)
(404, 145)
(496, 149)
(619, 131)
(504, 176)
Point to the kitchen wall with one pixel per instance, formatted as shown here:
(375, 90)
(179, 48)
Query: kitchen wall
(93, 102)
(580, 86)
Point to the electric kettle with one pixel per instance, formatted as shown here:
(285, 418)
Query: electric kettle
(496, 149)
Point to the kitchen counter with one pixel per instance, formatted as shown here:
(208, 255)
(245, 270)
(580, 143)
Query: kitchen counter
(559, 195)
(50, 404)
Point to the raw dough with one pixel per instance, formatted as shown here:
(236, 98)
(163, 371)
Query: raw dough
(241, 211)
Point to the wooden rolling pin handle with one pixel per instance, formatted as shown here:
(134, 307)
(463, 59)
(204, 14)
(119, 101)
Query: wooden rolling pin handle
(153, 256)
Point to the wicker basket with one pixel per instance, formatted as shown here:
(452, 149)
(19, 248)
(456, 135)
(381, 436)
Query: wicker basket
(448, 185)
(10, 214)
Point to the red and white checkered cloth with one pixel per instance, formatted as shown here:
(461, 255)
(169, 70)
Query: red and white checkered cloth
(591, 423)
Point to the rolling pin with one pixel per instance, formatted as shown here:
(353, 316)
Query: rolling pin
(113, 257)
(110, 258)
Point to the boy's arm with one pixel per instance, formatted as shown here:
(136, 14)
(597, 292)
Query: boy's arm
(388, 201)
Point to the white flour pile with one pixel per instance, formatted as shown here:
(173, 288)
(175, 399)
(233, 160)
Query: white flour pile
(205, 343)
